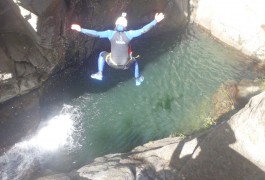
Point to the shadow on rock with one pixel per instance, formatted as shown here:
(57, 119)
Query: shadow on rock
(220, 154)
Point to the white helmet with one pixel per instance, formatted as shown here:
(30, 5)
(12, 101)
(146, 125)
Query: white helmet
(122, 20)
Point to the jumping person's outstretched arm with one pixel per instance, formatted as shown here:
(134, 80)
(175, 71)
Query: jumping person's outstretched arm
(93, 33)
(135, 33)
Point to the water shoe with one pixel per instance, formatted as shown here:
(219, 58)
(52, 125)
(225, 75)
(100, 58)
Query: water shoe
(139, 80)
(97, 76)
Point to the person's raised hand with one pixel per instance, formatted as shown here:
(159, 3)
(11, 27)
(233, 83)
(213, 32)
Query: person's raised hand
(159, 17)
(76, 27)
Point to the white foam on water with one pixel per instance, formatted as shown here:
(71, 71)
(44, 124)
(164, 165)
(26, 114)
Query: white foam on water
(60, 132)
(54, 134)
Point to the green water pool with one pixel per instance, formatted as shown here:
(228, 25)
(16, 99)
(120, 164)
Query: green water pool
(182, 72)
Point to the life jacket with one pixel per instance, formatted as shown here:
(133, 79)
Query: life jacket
(121, 52)
(119, 48)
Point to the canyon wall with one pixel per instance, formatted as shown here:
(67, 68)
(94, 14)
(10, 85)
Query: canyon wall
(238, 23)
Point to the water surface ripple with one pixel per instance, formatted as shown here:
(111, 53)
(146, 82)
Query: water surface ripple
(180, 79)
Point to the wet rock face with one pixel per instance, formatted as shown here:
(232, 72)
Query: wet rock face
(29, 55)
(19, 117)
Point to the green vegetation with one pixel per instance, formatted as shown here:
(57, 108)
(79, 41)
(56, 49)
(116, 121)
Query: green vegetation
(205, 114)
(180, 135)
(208, 122)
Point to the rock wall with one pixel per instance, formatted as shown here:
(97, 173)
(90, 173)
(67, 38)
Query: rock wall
(231, 150)
(25, 59)
(240, 24)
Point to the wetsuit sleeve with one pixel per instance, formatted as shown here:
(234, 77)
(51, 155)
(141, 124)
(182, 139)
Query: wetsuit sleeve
(135, 33)
(100, 34)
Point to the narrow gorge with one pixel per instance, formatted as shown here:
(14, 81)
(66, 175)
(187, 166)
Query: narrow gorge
(200, 113)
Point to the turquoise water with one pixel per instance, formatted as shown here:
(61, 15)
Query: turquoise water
(182, 72)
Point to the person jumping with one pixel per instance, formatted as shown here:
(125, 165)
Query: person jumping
(120, 56)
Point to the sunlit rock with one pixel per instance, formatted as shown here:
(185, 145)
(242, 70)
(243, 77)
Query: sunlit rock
(236, 23)
(27, 15)
(5, 76)
(248, 126)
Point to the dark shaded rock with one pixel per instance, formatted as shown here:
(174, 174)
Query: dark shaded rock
(22, 58)
(24, 69)
(9, 89)
(6, 65)
(29, 82)
(19, 117)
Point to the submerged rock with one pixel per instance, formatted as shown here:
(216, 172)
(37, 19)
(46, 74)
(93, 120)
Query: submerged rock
(224, 100)
(232, 96)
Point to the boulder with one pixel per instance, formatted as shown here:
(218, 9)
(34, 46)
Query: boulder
(234, 149)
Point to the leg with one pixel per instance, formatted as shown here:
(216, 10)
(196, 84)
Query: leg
(138, 78)
(101, 63)
(136, 70)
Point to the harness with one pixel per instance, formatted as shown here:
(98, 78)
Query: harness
(113, 64)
